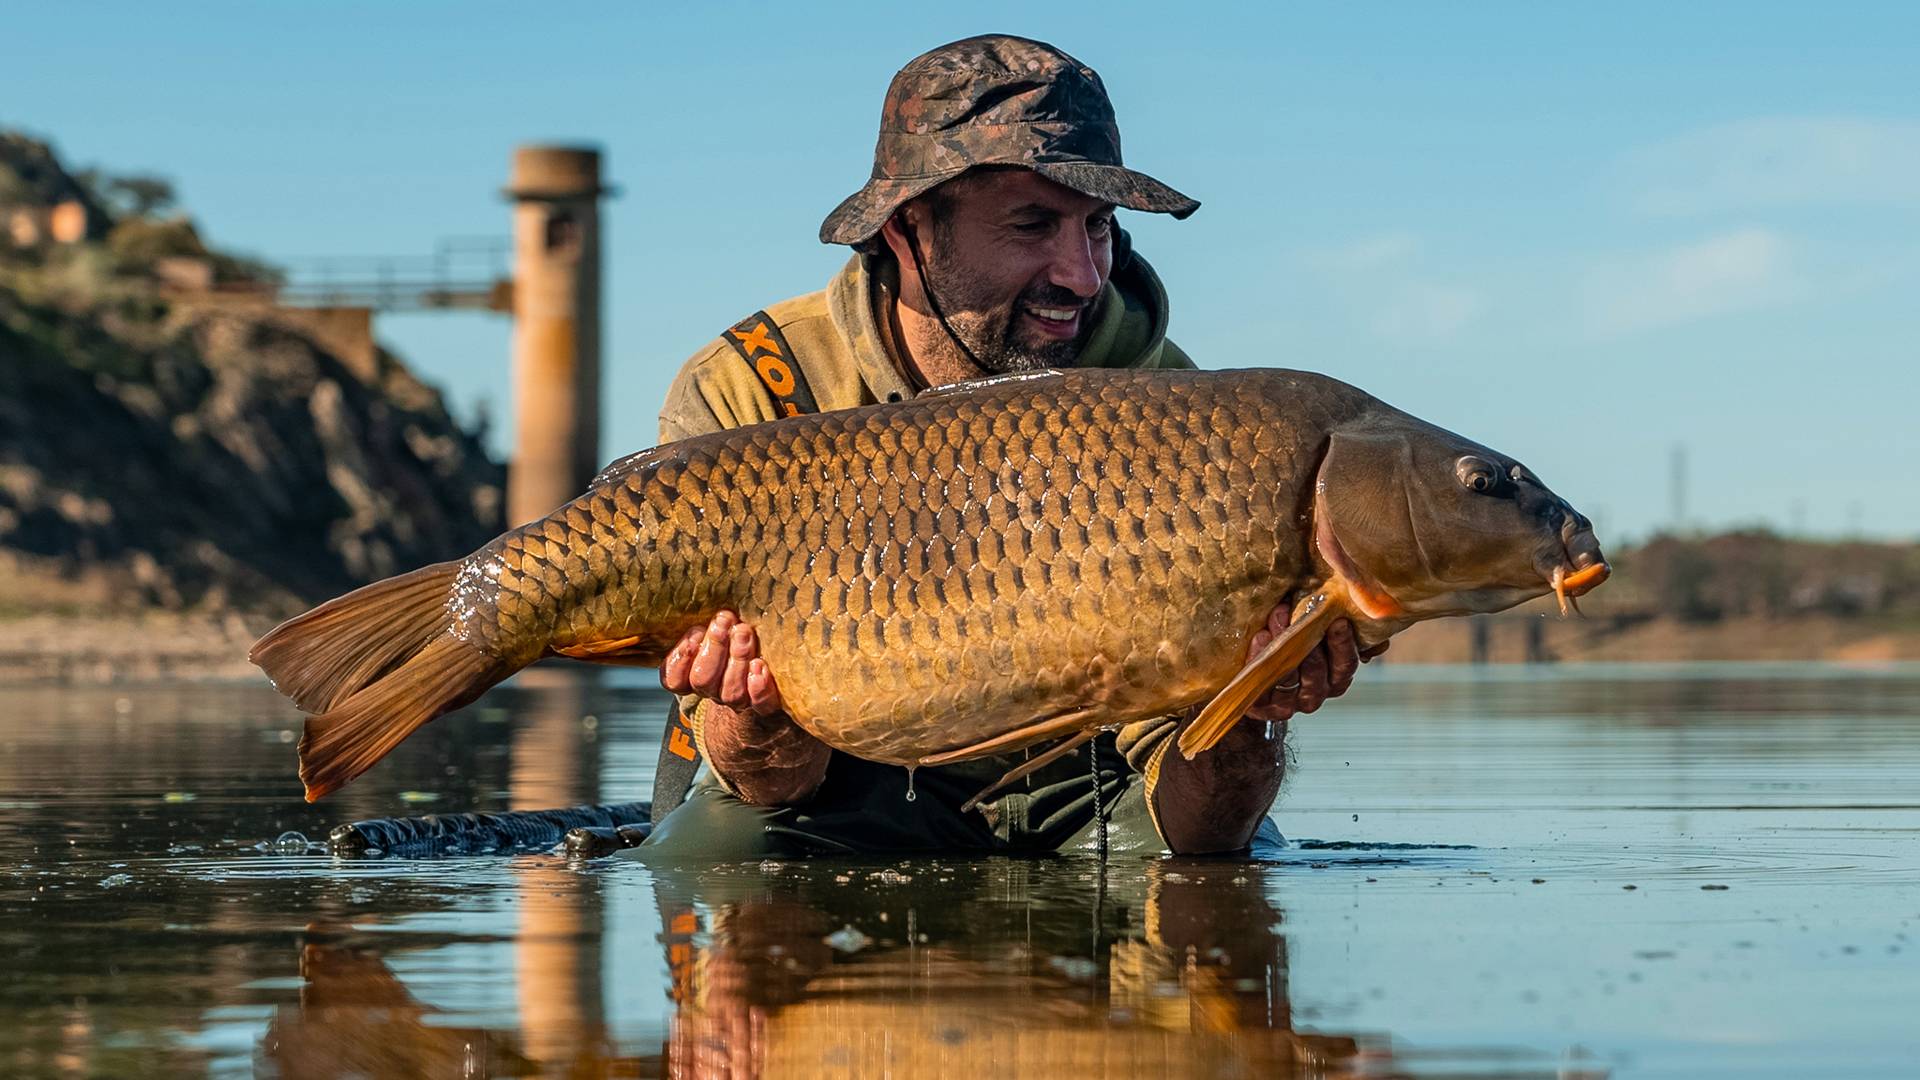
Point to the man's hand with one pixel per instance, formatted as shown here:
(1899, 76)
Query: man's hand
(721, 661)
(1325, 673)
(757, 750)
(1215, 802)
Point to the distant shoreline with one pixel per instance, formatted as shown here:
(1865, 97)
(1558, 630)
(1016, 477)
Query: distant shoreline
(92, 649)
(1665, 639)
(97, 649)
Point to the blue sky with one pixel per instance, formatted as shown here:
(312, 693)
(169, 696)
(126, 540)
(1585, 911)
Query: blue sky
(1580, 238)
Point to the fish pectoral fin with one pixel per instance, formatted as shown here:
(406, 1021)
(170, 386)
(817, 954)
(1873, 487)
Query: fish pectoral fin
(625, 659)
(1064, 724)
(1038, 761)
(599, 650)
(620, 652)
(1281, 655)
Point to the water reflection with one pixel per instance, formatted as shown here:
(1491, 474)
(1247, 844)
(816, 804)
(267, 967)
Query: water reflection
(557, 951)
(356, 1018)
(1766, 821)
(905, 969)
(1168, 968)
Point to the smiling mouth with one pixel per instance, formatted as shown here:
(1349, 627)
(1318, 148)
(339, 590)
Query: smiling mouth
(1054, 321)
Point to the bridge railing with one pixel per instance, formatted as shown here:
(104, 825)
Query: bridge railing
(462, 272)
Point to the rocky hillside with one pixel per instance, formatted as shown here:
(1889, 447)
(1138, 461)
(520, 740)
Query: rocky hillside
(158, 452)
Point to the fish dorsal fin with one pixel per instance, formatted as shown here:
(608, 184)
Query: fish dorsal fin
(1281, 655)
(619, 470)
(969, 385)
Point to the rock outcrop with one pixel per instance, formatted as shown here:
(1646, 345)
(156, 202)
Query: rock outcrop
(211, 458)
(155, 451)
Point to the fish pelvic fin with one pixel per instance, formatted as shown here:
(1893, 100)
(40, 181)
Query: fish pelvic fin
(1026, 735)
(327, 655)
(347, 740)
(1034, 764)
(1281, 655)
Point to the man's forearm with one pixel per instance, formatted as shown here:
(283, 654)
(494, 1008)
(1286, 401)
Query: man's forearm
(1215, 802)
(766, 760)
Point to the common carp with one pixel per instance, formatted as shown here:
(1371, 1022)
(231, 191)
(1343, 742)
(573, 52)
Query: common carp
(978, 569)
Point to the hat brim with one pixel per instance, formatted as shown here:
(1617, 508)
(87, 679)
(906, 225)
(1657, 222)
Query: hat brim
(860, 215)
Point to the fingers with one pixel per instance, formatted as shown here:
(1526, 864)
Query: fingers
(763, 696)
(742, 649)
(1261, 639)
(1277, 703)
(710, 661)
(1281, 618)
(1370, 653)
(721, 660)
(1326, 673)
(1313, 681)
(1343, 657)
(679, 661)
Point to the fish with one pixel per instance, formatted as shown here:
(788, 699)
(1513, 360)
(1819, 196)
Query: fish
(979, 569)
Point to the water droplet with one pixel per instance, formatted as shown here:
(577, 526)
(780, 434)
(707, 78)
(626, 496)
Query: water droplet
(290, 843)
(1078, 968)
(910, 795)
(848, 939)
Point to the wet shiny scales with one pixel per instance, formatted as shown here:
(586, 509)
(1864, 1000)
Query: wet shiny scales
(985, 567)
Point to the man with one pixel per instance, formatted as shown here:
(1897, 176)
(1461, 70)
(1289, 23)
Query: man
(985, 244)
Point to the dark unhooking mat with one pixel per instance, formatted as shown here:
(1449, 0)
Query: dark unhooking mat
(469, 834)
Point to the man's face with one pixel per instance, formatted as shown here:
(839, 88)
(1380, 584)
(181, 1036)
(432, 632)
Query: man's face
(1016, 263)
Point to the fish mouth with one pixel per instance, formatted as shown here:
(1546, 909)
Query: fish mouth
(1585, 579)
(1575, 575)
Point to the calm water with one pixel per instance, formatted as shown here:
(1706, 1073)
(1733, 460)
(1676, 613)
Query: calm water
(1676, 872)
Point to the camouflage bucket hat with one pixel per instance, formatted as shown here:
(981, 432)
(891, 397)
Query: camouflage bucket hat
(995, 100)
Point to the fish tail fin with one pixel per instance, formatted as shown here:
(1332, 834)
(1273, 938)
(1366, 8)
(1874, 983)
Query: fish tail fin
(1280, 656)
(347, 740)
(327, 655)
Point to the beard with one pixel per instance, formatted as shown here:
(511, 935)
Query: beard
(992, 331)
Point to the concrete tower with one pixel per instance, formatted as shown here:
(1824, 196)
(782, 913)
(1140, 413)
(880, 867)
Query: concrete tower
(556, 327)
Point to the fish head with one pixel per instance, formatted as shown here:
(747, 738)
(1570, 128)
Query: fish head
(1420, 523)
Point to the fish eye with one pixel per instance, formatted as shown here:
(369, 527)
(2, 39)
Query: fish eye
(1477, 475)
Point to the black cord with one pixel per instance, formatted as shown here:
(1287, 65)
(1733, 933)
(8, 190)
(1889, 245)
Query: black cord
(1099, 799)
(1100, 872)
(926, 287)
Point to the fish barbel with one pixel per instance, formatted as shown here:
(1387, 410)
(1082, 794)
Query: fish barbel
(980, 568)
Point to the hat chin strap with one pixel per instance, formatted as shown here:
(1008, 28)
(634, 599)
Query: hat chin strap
(926, 288)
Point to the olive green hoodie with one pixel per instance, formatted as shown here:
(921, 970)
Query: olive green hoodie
(843, 353)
